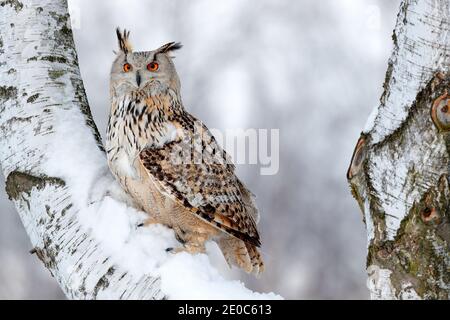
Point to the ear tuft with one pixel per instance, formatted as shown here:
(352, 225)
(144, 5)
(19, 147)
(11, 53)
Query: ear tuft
(171, 46)
(123, 38)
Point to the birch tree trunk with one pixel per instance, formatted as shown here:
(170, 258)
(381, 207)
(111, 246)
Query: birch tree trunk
(40, 88)
(79, 220)
(399, 172)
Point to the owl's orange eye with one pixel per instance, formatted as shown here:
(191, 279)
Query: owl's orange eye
(126, 67)
(152, 66)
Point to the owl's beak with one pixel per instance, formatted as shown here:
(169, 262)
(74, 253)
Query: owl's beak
(138, 79)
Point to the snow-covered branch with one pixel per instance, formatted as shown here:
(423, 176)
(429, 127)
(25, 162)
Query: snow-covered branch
(79, 221)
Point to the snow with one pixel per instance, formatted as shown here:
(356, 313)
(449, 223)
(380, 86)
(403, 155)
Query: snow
(196, 279)
(124, 164)
(370, 123)
(170, 134)
(142, 250)
(104, 212)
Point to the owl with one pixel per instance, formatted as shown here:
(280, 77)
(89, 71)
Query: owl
(170, 163)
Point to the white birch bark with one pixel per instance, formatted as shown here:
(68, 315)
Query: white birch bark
(41, 85)
(56, 171)
(400, 168)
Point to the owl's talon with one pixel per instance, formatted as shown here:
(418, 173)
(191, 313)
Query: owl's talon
(140, 225)
(169, 249)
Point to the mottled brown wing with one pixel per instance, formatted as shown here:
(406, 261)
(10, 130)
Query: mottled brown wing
(249, 200)
(208, 187)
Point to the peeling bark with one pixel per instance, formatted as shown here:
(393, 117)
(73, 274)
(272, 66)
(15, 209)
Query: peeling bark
(399, 172)
(40, 84)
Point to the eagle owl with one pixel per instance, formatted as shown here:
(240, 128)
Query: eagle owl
(170, 163)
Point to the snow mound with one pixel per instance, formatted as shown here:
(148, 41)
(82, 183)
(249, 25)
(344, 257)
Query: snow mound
(105, 211)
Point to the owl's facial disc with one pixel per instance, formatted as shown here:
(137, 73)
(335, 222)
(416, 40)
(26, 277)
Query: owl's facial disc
(147, 72)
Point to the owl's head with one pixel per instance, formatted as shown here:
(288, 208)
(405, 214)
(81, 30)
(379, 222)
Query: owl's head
(146, 71)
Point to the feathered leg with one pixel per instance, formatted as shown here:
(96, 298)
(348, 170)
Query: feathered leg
(241, 254)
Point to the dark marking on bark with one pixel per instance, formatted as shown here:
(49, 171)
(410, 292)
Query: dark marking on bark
(7, 93)
(394, 39)
(49, 212)
(15, 4)
(123, 276)
(47, 254)
(63, 34)
(55, 74)
(103, 282)
(54, 59)
(20, 182)
(80, 96)
(386, 84)
(63, 211)
(51, 58)
(32, 98)
(59, 18)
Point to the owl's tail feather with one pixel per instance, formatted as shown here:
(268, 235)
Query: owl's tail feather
(241, 254)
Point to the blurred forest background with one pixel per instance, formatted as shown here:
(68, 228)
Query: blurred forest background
(312, 69)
